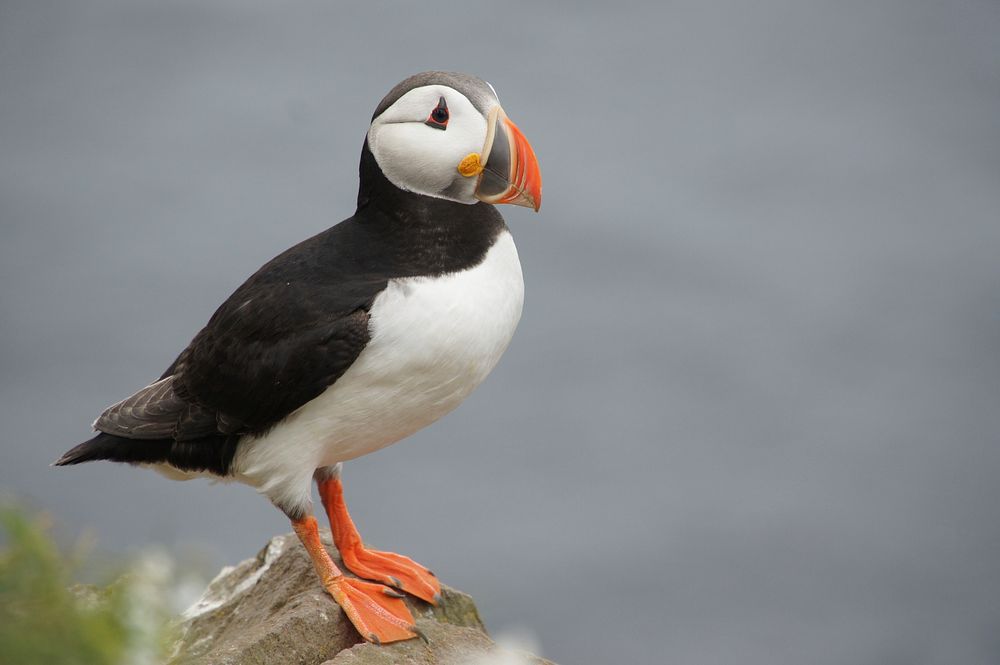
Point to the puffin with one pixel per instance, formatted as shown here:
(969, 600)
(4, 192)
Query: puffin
(353, 339)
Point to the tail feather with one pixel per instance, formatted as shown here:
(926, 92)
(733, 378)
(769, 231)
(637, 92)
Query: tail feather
(211, 453)
(116, 449)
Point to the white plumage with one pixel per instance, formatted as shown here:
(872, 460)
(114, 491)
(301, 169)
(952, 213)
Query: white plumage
(433, 340)
(417, 160)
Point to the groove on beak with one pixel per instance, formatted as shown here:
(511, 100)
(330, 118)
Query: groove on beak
(510, 169)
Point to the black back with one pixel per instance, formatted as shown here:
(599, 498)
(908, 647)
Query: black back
(291, 330)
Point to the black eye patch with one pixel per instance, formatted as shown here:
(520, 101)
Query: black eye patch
(438, 119)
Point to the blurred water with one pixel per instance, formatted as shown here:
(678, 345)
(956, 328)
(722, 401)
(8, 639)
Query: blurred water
(750, 414)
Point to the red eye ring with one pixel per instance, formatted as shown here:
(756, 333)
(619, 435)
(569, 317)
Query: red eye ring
(438, 119)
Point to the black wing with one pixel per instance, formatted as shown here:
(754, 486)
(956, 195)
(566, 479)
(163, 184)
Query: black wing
(234, 381)
(281, 339)
(291, 330)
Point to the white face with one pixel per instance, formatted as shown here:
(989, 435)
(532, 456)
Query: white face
(424, 158)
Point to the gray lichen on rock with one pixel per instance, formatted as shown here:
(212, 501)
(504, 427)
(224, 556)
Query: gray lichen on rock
(271, 610)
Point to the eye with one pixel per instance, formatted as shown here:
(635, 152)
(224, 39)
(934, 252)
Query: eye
(438, 119)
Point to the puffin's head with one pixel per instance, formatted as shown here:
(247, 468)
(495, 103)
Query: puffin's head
(444, 135)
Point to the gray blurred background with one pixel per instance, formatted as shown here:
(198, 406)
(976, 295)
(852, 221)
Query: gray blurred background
(752, 411)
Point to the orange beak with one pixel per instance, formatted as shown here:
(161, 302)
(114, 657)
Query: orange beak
(510, 171)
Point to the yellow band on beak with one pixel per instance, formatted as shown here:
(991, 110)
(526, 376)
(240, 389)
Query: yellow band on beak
(470, 166)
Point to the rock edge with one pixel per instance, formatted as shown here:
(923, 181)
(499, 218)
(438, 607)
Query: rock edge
(271, 610)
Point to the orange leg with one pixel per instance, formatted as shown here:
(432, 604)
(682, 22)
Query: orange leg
(376, 611)
(395, 570)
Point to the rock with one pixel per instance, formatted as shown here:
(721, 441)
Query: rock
(272, 610)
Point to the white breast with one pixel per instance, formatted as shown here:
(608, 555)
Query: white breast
(433, 340)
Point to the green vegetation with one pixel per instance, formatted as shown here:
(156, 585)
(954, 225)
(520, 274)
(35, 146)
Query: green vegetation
(43, 621)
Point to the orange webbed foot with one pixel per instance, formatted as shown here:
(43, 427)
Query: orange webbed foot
(378, 612)
(389, 568)
(394, 570)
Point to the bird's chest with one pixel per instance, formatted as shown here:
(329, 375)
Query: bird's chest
(433, 340)
(431, 332)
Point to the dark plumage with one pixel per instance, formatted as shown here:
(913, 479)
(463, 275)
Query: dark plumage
(290, 330)
(355, 338)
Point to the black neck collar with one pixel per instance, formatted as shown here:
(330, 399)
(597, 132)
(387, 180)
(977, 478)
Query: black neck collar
(375, 190)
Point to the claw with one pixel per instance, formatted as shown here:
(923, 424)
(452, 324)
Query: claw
(420, 634)
(378, 613)
(393, 570)
(392, 593)
(379, 616)
(386, 567)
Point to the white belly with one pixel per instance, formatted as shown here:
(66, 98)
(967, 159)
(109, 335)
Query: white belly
(433, 340)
